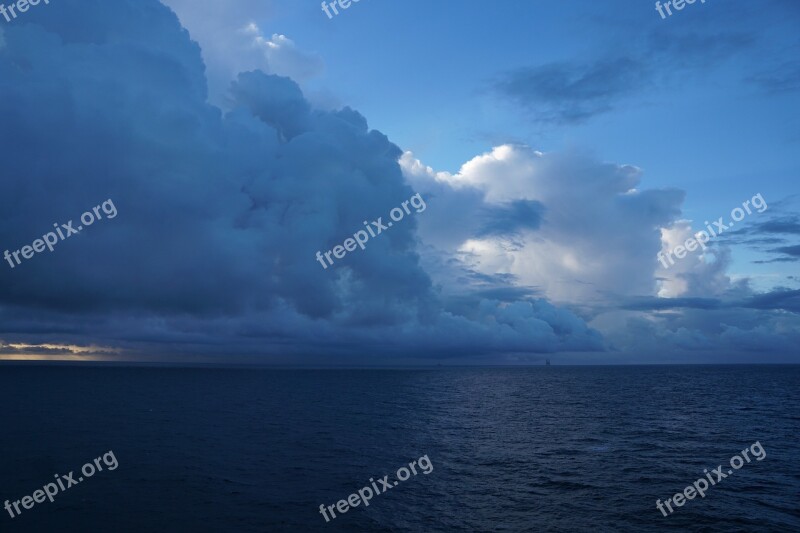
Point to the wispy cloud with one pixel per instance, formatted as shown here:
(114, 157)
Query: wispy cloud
(572, 93)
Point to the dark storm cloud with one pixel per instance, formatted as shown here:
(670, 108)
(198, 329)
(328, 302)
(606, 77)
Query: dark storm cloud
(219, 215)
(507, 294)
(477, 287)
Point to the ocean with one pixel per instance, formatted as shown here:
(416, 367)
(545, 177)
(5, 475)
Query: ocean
(511, 449)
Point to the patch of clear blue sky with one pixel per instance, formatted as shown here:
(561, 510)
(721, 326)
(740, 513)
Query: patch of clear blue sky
(422, 72)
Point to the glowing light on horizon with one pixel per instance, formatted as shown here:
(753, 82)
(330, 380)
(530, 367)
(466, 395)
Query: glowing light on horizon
(54, 352)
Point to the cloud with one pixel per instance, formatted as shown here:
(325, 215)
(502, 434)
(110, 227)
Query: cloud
(777, 260)
(788, 225)
(591, 231)
(789, 250)
(691, 48)
(232, 42)
(591, 246)
(220, 214)
(571, 93)
(779, 225)
(512, 217)
(283, 56)
(779, 299)
(787, 300)
(780, 79)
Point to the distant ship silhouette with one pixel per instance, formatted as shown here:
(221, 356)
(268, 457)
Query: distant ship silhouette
(547, 362)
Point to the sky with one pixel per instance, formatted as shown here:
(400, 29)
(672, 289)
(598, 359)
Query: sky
(556, 155)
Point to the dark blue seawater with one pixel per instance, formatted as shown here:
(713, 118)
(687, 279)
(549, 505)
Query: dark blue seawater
(512, 449)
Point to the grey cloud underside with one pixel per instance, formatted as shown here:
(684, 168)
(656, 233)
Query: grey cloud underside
(220, 214)
(512, 217)
(777, 260)
(789, 250)
(778, 223)
(781, 227)
(778, 300)
(573, 92)
(736, 323)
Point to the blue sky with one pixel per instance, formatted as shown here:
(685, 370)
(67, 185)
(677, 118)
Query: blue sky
(559, 147)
